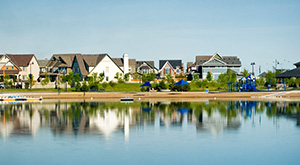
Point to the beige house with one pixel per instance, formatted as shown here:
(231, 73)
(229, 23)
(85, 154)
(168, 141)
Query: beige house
(19, 66)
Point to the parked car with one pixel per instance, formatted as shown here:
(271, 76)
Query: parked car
(3, 86)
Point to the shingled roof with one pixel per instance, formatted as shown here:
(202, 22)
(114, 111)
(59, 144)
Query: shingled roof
(229, 60)
(90, 59)
(21, 60)
(173, 63)
(43, 63)
(288, 74)
(150, 63)
(62, 60)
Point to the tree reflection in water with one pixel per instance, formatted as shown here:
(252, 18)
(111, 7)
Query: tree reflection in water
(106, 118)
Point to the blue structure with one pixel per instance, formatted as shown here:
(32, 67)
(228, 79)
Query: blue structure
(247, 84)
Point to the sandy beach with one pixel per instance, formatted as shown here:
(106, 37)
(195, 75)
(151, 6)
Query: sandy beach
(287, 95)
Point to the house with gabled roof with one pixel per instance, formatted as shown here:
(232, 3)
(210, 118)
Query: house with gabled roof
(145, 67)
(216, 64)
(19, 66)
(107, 66)
(173, 67)
(59, 64)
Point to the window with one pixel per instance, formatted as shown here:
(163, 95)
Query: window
(107, 69)
(177, 71)
(106, 78)
(12, 67)
(24, 68)
(7, 68)
(129, 69)
(24, 77)
(167, 71)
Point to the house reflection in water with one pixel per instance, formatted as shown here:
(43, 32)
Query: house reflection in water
(107, 118)
(15, 121)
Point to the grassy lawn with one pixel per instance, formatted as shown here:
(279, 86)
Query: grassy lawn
(127, 87)
(124, 87)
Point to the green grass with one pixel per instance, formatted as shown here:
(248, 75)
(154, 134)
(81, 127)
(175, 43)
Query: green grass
(124, 87)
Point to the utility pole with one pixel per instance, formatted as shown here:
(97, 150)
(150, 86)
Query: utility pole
(253, 64)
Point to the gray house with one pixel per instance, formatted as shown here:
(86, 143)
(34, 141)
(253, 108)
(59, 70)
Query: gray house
(216, 65)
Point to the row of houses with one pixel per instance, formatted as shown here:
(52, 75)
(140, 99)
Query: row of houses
(19, 66)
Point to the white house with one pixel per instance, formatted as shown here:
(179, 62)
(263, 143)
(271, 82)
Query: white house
(108, 67)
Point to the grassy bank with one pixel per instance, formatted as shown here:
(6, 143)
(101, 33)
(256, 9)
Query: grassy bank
(125, 87)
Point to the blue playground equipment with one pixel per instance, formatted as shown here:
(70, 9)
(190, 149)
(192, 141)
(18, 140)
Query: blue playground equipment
(247, 84)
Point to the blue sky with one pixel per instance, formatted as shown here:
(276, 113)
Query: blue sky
(257, 30)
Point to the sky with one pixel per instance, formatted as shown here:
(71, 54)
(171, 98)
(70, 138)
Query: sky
(259, 31)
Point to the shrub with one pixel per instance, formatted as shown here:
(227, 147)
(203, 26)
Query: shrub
(112, 84)
(104, 85)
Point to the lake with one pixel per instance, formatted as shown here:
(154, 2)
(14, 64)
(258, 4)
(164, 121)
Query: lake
(197, 132)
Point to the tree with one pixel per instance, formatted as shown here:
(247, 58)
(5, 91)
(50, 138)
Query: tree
(270, 77)
(101, 77)
(30, 80)
(208, 76)
(84, 87)
(148, 76)
(119, 77)
(245, 73)
(77, 77)
(126, 77)
(169, 78)
(6, 79)
(46, 80)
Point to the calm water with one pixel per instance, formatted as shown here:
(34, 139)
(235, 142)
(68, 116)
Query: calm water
(214, 132)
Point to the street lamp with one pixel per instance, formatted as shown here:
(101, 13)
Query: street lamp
(252, 63)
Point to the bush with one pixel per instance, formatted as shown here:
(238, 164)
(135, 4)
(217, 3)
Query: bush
(163, 85)
(182, 87)
(144, 89)
(105, 85)
(84, 87)
(112, 84)
(78, 87)
(94, 86)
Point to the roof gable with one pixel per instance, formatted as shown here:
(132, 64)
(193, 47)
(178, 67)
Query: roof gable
(214, 62)
(21, 60)
(217, 56)
(173, 63)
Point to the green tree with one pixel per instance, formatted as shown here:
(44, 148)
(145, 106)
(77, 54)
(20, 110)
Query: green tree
(208, 76)
(46, 80)
(6, 79)
(77, 77)
(169, 78)
(84, 87)
(126, 77)
(260, 82)
(245, 73)
(270, 77)
(148, 76)
(119, 77)
(101, 77)
(30, 80)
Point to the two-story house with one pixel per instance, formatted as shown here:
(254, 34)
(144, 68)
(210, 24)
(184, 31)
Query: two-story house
(173, 67)
(19, 66)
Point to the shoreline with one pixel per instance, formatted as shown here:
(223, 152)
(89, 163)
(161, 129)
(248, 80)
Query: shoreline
(281, 95)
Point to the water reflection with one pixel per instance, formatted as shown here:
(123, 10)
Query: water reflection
(107, 118)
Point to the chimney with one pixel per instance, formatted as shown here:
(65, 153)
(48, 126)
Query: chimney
(126, 63)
